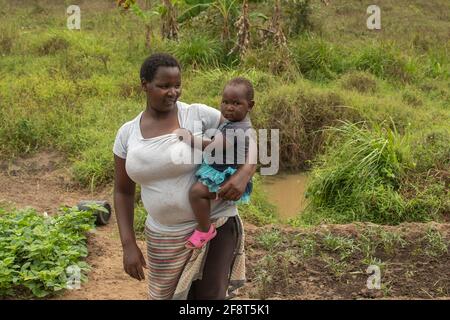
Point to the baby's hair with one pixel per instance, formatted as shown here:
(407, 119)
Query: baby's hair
(245, 82)
(153, 62)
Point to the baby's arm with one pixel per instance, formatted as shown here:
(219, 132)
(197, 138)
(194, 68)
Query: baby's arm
(218, 141)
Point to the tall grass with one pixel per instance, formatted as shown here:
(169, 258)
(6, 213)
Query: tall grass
(360, 177)
(199, 50)
(318, 59)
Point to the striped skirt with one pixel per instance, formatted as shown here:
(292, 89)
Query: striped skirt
(172, 268)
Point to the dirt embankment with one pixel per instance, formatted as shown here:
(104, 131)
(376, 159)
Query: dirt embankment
(324, 262)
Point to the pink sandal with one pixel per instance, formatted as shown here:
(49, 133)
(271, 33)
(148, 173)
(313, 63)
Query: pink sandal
(198, 239)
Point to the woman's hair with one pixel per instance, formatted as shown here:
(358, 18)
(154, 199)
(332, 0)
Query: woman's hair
(245, 82)
(156, 60)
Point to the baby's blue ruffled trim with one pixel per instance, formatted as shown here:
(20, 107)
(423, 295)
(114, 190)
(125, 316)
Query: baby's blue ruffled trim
(213, 178)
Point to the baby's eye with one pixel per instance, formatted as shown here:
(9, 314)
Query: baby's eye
(235, 103)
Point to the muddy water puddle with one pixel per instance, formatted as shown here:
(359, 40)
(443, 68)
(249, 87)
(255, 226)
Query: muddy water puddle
(287, 192)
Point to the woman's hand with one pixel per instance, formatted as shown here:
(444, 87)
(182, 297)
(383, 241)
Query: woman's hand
(233, 188)
(133, 261)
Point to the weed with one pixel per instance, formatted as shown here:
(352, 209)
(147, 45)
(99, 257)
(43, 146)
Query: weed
(264, 275)
(197, 51)
(270, 240)
(337, 267)
(343, 245)
(391, 241)
(436, 245)
(306, 245)
(288, 258)
(358, 179)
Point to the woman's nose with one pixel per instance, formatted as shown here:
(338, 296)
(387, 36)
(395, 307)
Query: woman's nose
(172, 92)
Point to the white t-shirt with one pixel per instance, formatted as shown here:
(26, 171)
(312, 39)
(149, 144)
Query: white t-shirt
(165, 183)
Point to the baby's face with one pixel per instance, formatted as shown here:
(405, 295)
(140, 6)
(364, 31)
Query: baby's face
(235, 104)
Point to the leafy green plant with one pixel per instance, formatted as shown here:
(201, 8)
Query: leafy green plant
(287, 258)
(37, 252)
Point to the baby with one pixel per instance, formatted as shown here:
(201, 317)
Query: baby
(237, 101)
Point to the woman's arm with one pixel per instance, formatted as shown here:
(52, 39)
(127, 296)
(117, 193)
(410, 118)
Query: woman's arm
(235, 186)
(124, 189)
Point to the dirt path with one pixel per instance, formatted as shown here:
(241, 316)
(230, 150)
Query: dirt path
(107, 280)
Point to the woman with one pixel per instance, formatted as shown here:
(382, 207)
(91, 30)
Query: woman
(143, 154)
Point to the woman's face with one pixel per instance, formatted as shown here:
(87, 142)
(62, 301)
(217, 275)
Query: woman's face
(164, 90)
